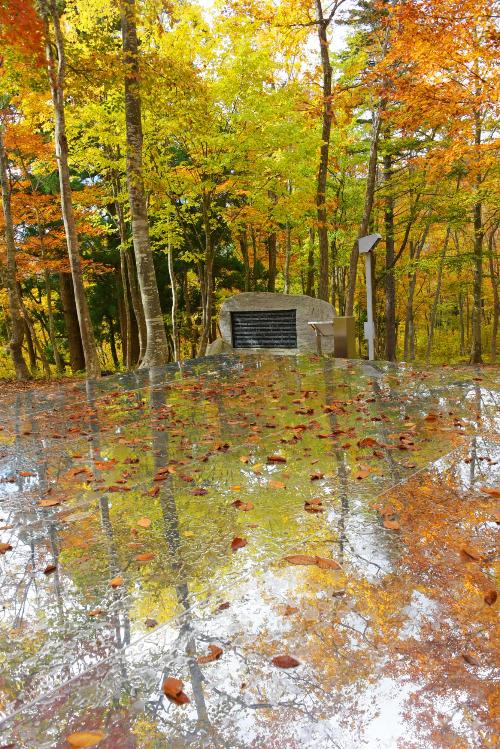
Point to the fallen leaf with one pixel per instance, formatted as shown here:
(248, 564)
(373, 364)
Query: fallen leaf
(327, 564)
(490, 597)
(145, 556)
(285, 661)
(214, 653)
(493, 491)
(83, 739)
(199, 492)
(49, 502)
(276, 459)
(238, 543)
(276, 484)
(116, 582)
(391, 525)
(49, 568)
(150, 623)
(154, 491)
(470, 659)
(144, 522)
(172, 688)
(362, 473)
(25, 474)
(368, 442)
(243, 506)
(244, 458)
(317, 476)
(96, 612)
(469, 554)
(313, 505)
(300, 559)
(5, 547)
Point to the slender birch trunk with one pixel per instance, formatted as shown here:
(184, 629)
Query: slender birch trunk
(156, 353)
(173, 285)
(390, 280)
(15, 302)
(56, 63)
(435, 303)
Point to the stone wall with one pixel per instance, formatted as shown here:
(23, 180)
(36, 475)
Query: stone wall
(307, 309)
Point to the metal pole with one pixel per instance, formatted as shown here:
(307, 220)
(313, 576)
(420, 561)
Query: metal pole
(369, 307)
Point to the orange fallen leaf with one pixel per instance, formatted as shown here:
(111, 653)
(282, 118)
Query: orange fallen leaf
(96, 612)
(214, 653)
(49, 502)
(238, 543)
(25, 474)
(285, 661)
(493, 491)
(145, 556)
(172, 688)
(368, 442)
(391, 525)
(49, 569)
(362, 473)
(327, 564)
(276, 459)
(244, 458)
(300, 559)
(276, 484)
(469, 554)
(144, 522)
(83, 739)
(313, 505)
(116, 582)
(5, 547)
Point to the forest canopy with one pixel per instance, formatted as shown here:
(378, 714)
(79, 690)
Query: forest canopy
(159, 156)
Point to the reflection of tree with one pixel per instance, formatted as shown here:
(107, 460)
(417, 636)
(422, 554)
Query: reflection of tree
(172, 537)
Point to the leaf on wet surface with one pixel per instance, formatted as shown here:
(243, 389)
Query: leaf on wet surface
(490, 597)
(146, 556)
(144, 522)
(172, 688)
(238, 543)
(493, 491)
(82, 739)
(5, 547)
(243, 506)
(116, 582)
(285, 661)
(214, 653)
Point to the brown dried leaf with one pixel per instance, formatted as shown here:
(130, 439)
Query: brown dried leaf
(238, 543)
(490, 597)
(276, 459)
(300, 559)
(144, 522)
(49, 569)
(5, 547)
(273, 484)
(243, 506)
(285, 661)
(493, 491)
(116, 582)
(214, 653)
(368, 442)
(49, 502)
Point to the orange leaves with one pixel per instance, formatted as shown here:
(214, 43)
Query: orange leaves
(362, 473)
(273, 484)
(116, 582)
(172, 688)
(490, 597)
(144, 522)
(368, 442)
(285, 661)
(5, 547)
(238, 543)
(214, 653)
(49, 502)
(306, 559)
(83, 739)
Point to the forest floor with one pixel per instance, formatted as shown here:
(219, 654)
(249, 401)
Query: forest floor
(251, 552)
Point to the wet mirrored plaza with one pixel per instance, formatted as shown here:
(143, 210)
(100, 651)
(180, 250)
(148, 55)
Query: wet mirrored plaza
(342, 514)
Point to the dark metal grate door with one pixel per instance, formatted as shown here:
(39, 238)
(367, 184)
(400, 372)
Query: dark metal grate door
(264, 329)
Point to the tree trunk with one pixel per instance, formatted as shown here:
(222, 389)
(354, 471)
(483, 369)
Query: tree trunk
(323, 283)
(66, 290)
(243, 242)
(390, 280)
(367, 211)
(156, 352)
(496, 300)
(173, 286)
(461, 319)
(127, 317)
(288, 253)
(271, 242)
(310, 265)
(52, 329)
(207, 284)
(15, 302)
(477, 285)
(435, 303)
(112, 342)
(57, 69)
